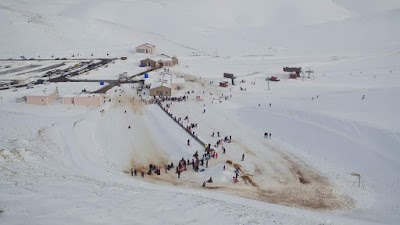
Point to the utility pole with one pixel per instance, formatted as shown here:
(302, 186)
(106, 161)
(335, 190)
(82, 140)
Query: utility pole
(309, 71)
(268, 84)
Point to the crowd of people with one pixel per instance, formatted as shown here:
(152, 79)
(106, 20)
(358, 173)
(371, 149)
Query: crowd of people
(197, 162)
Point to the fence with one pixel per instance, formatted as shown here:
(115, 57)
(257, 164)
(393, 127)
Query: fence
(181, 125)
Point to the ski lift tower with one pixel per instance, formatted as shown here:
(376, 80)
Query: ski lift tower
(231, 76)
(309, 72)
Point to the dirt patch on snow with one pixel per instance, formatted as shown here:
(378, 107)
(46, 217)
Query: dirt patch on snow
(236, 166)
(247, 179)
(123, 100)
(136, 106)
(303, 192)
(148, 152)
(304, 187)
(310, 196)
(287, 180)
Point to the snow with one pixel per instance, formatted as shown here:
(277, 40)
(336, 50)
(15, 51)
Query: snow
(159, 84)
(44, 92)
(61, 164)
(112, 71)
(36, 69)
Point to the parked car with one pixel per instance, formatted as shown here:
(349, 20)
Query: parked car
(273, 78)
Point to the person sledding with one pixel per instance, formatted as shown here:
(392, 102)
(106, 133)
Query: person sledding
(235, 180)
(210, 180)
(236, 173)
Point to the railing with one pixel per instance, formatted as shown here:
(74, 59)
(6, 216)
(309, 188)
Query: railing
(181, 125)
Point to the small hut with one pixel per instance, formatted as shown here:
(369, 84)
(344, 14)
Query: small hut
(148, 62)
(223, 84)
(146, 48)
(160, 89)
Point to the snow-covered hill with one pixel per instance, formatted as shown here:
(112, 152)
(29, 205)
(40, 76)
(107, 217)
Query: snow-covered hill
(227, 28)
(62, 164)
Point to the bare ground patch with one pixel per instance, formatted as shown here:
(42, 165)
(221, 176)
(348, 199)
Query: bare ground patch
(247, 179)
(304, 193)
(311, 196)
(290, 182)
(124, 100)
(305, 189)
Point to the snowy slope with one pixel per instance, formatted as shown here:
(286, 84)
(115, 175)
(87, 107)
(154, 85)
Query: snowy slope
(208, 27)
(62, 164)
